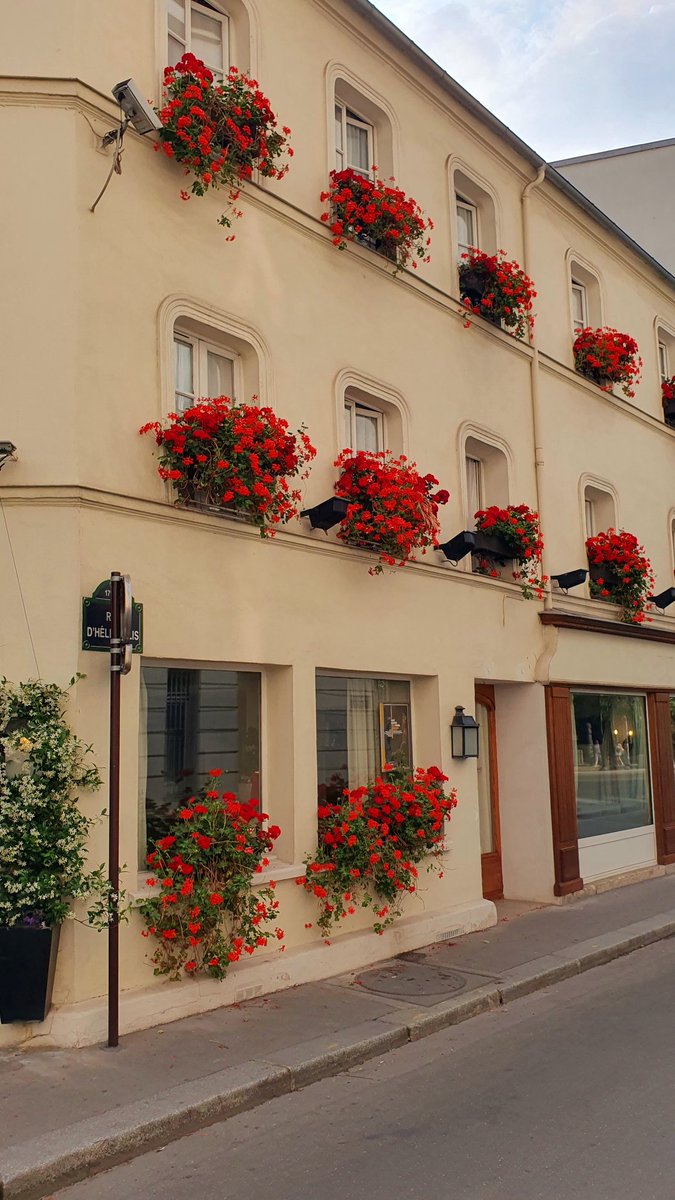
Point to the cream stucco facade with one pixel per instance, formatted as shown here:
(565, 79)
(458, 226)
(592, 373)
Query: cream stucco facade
(89, 321)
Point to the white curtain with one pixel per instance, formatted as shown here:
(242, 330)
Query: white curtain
(142, 773)
(363, 725)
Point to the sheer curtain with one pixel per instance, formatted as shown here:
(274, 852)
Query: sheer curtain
(142, 773)
(363, 742)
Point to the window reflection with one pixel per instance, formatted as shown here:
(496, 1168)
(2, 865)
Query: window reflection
(611, 763)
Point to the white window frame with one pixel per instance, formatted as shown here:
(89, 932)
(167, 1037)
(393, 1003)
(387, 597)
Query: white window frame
(474, 466)
(200, 370)
(589, 516)
(460, 202)
(208, 10)
(349, 117)
(580, 290)
(352, 407)
(664, 366)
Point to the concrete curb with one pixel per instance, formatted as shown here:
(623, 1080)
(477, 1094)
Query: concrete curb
(80, 1150)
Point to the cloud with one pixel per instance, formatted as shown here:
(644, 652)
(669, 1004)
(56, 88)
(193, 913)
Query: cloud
(570, 77)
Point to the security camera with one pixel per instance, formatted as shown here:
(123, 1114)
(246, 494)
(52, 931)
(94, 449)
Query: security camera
(135, 108)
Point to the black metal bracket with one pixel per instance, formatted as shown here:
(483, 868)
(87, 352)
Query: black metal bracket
(7, 450)
(663, 599)
(327, 514)
(570, 579)
(471, 541)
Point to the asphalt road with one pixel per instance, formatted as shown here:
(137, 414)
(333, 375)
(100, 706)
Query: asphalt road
(566, 1095)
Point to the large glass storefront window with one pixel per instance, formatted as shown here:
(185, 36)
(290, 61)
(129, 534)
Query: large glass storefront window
(192, 722)
(611, 763)
(361, 724)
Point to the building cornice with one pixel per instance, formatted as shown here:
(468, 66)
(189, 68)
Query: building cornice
(587, 624)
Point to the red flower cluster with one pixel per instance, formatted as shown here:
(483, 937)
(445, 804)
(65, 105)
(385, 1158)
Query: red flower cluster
(492, 286)
(392, 508)
(606, 357)
(370, 843)
(668, 389)
(236, 456)
(220, 132)
(378, 214)
(621, 573)
(207, 914)
(519, 527)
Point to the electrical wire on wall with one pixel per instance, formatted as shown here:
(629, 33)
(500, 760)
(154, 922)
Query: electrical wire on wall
(20, 589)
(115, 136)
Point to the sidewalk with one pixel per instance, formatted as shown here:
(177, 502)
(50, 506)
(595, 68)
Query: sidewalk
(68, 1113)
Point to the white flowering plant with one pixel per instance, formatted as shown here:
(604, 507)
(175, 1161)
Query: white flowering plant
(43, 833)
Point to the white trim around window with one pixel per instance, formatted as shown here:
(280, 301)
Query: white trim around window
(203, 369)
(201, 28)
(579, 306)
(364, 427)
(354, 141)
(468, 233)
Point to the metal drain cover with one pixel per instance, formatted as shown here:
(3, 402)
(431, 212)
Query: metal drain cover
(421, 982)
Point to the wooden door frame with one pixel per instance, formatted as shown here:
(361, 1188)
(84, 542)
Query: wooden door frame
(485, 695)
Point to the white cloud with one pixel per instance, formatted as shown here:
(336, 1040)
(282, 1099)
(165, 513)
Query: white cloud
(570, 77)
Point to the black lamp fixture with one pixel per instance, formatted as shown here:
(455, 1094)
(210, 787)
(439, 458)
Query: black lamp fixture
(664, 598)
(7, 450)
(464, 734)
(570, 579)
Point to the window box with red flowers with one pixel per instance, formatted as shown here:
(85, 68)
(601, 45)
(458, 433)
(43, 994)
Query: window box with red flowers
(621, 573)
(392, 509)
(371, 842)
(378, 215)
(608, 357)
(517, 527)
(235, 458)
(668, 398)
(203, 910)
(220, 132)
(499, 290)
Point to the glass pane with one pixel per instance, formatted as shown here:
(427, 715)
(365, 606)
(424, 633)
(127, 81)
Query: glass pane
(611, 763)
(590, 518)
(196, 721)
(184, 373)
(175, 11)
(367, 431)
(357, 147)
(578, 306)
(474, 490)
(465, 227)
(207, 39)
(176, 51)
(220, 375)
(663, 361)
(361, 723)
(348, 426)
(339, 145)
(487, 837)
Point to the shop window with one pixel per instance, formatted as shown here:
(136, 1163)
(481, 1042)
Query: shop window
(611, 763)
(362, 723)
(362, 132)
(201, 28)
(599, 511)
(485, 476)
(474, 215)
(586, 308)
(192, 722)
(202, 369)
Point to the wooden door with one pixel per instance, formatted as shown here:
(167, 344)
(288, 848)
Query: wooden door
(488, 793)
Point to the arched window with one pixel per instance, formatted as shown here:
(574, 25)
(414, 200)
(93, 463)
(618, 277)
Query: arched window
(362, 132)
(486, 477)
(473, 215)
(585, 300)
(599, 510)
(371, 422)
(201, 27)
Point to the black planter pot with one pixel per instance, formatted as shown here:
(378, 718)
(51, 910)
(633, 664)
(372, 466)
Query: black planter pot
(669, 412)
(378, 245)
(595, 376)
(607, 573)
(473, 284)
(27, 965)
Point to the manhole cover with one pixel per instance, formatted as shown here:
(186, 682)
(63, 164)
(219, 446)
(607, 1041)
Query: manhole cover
(419, 981)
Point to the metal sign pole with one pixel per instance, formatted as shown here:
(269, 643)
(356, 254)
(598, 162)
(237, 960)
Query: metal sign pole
(116, 585)
(120, 664)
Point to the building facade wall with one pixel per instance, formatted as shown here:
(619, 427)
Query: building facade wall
(90, 327)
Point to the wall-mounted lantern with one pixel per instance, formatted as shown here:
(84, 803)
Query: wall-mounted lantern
(464, 734)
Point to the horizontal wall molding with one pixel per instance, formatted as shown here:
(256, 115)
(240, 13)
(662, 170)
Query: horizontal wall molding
(563, 620)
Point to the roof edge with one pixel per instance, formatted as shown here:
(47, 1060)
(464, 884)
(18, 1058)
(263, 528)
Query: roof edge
(617, 153)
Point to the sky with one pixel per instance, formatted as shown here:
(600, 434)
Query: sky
(568, 76)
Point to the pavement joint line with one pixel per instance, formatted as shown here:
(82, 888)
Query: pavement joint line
(86, 1147)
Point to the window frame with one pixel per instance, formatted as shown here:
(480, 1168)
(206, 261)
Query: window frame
(664, 365)
(209, 10)
(460, 202)
(369, 677)
(348, 116)
(581, 290)
(590, 523)
(480, 486)
(351, 408)
(200, 351)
